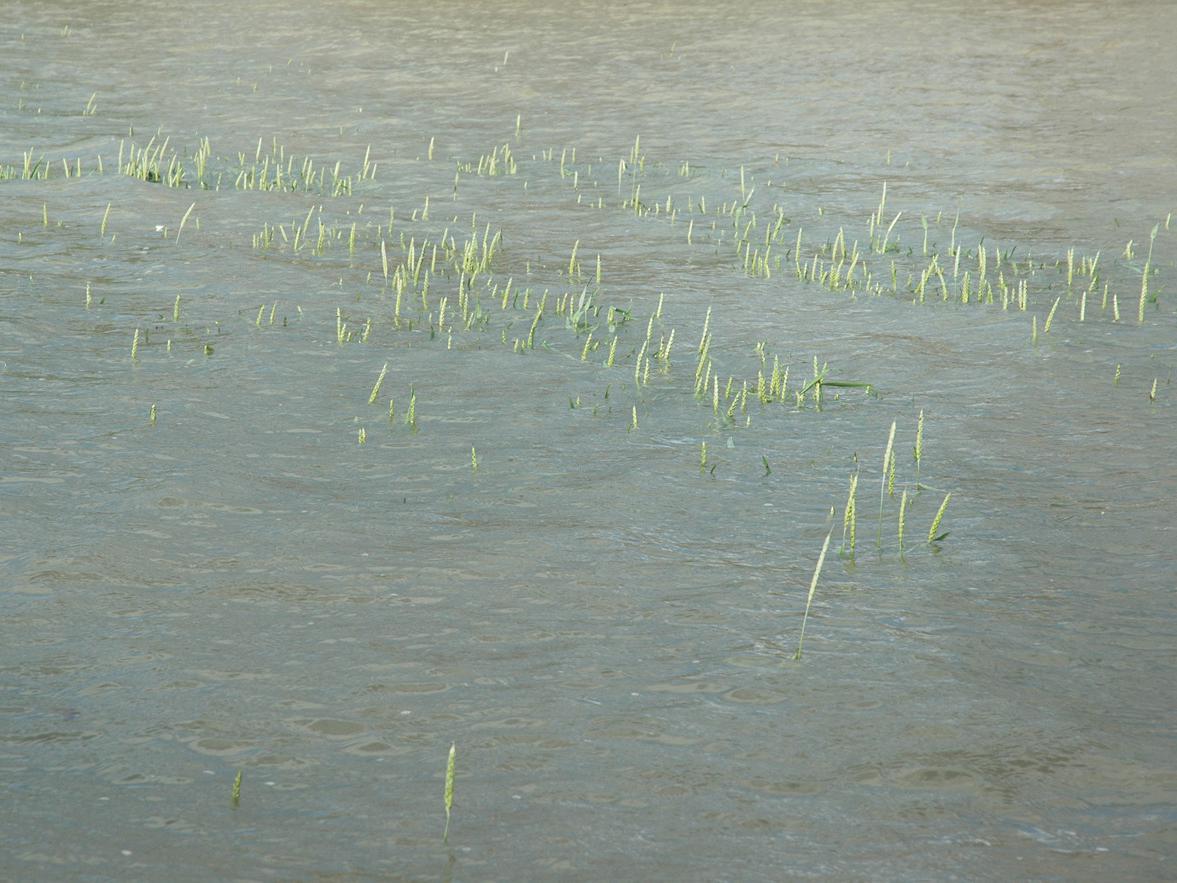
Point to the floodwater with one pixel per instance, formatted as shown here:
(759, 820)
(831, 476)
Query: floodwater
(602, 618)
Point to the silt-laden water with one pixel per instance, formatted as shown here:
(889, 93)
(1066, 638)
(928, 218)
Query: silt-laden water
(601, 618)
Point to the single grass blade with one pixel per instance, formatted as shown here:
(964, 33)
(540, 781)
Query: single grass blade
(183, 221)
(821, 559)
(883, 483)
(933, 536)
(449, 791)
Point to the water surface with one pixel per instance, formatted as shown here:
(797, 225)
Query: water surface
(604, 628)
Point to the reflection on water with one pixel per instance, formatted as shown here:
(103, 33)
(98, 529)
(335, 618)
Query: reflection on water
(601, 614)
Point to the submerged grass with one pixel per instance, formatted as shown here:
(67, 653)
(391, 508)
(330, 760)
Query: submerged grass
(398, 260)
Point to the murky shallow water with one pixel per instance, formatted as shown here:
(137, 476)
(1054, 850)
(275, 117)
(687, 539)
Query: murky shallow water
(604, 629)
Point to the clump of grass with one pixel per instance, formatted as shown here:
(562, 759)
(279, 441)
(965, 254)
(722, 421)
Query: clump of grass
(821, 559)
(135, 347)
(236, 796)
(449, 790)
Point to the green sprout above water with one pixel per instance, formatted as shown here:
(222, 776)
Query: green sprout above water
(933, 536)
(449, 790)
(821, 559)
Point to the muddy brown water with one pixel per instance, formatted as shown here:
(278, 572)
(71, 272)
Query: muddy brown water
(604, 629)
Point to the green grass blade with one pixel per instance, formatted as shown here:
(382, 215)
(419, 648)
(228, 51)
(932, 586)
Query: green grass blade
(821, 559)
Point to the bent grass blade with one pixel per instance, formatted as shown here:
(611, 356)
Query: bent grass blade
(183, 221)
(821, 559)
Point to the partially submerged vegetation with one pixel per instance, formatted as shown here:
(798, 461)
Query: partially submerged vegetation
(376, 403)
(453, 280)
